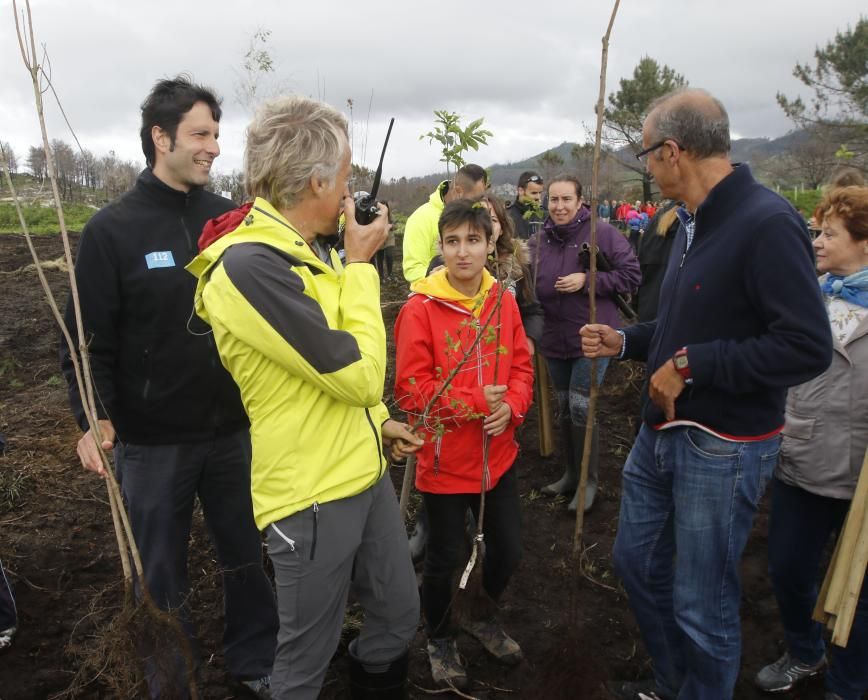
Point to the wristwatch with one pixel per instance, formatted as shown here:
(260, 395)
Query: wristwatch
(682, 366)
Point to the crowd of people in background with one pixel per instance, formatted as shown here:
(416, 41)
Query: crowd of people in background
(267, 405)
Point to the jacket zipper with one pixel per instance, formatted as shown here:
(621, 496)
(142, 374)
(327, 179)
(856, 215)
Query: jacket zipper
(480, 379)
(147, 366)
(377, 440)
(191, 247)
(315, 524)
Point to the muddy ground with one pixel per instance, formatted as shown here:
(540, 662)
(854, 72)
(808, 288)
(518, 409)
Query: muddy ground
(57, 542)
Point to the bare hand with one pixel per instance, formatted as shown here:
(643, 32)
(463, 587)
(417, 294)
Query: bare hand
(87, 450)
(399, 439)
(664, 387)
(570, 283)
(600, 340)
(494, 394)
(361, 242)
(497, 422)
(531, 348)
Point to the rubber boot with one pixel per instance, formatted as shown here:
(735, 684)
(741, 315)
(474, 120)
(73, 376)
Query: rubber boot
(593, 466)
(386, 681)
(570, 480)
(419, 538)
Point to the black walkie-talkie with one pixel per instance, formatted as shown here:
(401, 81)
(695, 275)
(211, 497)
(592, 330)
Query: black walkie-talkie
(366, 204)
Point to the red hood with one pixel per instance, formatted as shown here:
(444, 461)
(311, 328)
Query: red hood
(223, 224)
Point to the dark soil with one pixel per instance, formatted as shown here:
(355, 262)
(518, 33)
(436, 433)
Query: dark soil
(57, 543)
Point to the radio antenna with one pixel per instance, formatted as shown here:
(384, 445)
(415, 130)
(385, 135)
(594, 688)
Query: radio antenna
(376, 184)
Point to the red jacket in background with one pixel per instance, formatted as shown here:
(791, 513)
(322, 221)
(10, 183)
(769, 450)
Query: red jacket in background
(621, 212)
(431, 335)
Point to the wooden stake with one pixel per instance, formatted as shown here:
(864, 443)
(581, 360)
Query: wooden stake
(543, 398)
(842, 586)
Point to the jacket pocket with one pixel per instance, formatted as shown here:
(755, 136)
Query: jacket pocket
(146, 373)
(799, 427)
(313, 538)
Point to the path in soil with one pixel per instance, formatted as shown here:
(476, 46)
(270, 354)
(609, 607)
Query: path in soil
(57, 542)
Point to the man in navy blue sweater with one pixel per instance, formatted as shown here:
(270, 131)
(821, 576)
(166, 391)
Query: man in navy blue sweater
(740, 321)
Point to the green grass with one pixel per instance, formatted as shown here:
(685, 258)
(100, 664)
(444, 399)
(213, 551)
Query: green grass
(44, 219)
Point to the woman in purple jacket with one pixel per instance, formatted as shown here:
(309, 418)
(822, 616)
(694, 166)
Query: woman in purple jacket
(561, 288)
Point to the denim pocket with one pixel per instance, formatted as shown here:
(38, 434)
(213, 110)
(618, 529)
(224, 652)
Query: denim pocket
(768, 462)
(708, 445)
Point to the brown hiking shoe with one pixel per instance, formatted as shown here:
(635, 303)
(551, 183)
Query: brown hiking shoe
(447, 666)
(496, 642)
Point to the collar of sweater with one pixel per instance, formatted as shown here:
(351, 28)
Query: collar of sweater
(436, 286)
(163, 193)
(728, 194)
(563, 232)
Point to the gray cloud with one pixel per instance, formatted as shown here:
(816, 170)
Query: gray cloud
(531, 69)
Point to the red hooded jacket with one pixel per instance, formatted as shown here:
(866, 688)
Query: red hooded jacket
(434, 329)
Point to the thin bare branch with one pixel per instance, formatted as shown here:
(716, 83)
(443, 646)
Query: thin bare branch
(592, 291)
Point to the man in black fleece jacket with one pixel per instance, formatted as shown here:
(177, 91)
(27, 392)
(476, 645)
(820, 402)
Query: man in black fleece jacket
(740, 320)
(172, 413)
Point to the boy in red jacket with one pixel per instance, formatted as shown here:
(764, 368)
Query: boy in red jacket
(459, 312)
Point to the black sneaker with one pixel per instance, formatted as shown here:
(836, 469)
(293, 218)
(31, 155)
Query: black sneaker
(636, 690)
(784, 673)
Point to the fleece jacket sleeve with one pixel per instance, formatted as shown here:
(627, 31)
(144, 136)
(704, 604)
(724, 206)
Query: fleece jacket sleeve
(99, 293)
(797, 344)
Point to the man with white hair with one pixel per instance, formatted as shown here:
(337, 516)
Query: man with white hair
(303, 337)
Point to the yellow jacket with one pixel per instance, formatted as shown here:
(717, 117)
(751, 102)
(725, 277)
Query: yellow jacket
(306, 345)
(421, 236)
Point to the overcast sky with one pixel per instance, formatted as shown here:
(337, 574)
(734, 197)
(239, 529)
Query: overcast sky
(531, 69)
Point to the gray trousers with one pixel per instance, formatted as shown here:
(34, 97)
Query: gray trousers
(318, 553)
(160, 484)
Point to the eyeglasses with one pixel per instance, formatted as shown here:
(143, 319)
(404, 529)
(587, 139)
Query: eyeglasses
(535, 178)
(643, 154)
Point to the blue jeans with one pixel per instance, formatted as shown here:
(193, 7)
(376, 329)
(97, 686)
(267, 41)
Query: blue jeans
(687, 508)
(800, 526)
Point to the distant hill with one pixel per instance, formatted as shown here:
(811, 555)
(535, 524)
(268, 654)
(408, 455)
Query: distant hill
(743, 150)
(409, 193)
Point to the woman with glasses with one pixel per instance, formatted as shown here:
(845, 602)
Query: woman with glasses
(561, 278)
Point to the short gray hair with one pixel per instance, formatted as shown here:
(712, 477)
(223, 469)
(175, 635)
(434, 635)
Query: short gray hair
(290, 140)
(694, 119)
